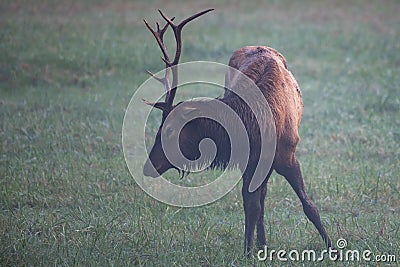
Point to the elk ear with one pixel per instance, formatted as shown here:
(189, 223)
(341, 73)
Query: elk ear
(158, 105)
(188, 112)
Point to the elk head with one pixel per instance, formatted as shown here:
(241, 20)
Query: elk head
(157, 163)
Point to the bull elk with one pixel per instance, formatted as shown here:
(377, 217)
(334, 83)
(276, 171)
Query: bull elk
(267, 68)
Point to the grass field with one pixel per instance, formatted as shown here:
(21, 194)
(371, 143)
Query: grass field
(68, 70)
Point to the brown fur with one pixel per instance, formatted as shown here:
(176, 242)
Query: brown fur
(268, 69)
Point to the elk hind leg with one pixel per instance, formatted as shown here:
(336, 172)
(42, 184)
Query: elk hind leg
(293, 175)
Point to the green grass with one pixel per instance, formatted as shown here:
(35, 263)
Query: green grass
(68, 70)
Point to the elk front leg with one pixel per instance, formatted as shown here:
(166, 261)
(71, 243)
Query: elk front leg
(261, 241)
(252, 211)
(293, 175)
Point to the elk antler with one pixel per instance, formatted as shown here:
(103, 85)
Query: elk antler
(159, 36)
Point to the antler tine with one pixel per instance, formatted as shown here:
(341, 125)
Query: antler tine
(164, 29)
(158, 35)
(178, 29)
(161, 80)
(178, 38)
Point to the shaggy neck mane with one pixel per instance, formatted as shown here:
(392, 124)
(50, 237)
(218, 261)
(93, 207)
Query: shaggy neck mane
(211, 129)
